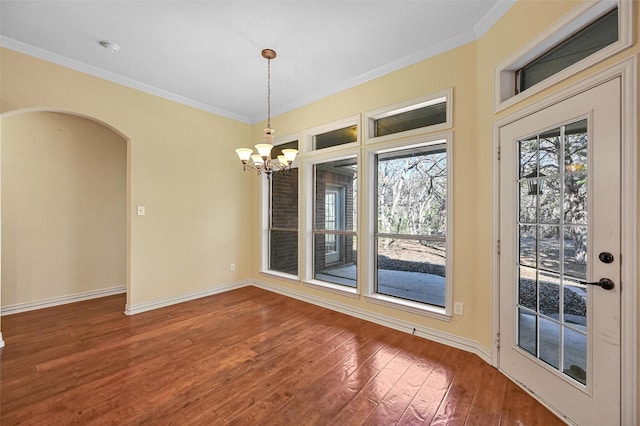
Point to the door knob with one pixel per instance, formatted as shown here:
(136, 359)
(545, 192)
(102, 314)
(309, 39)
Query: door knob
(605, 257)
(605, 283)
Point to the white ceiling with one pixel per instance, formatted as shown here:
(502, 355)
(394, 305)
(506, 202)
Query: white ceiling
(207, 53)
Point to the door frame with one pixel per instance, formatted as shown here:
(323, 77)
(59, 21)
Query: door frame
(627, 70)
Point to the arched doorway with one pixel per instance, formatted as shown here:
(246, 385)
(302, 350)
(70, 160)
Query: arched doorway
(64, 210)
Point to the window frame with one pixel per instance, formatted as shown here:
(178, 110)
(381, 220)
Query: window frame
(265, 203)
(408, 105)
(310, 230)
(312, 158)
(309, 134)
(585, 13)
(370, 243)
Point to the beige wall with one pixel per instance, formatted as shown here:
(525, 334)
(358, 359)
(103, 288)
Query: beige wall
(64, 216)
(181, 165)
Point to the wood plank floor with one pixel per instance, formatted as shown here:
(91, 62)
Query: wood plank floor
(244, 357)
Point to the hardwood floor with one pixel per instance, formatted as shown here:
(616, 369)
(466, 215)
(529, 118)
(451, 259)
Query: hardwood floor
(243, 357)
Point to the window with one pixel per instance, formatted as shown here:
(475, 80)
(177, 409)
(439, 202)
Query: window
(415, 116)
(334, 224)
(594, 37)
(589, 34)
(435, 112)
(411, 223)
(331, 137)
(283, 217)
(336, 137)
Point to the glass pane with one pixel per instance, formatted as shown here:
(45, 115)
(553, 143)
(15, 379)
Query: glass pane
(594, 37)
(575, 198)
(549, 295)
(528, 203)
(552, 244)
(337, 180)
(575, 304)
(412, 193)
(527, 331)
(412, 269)
(336, 137)
(277, 149)
(528, 245)
(529, 158)
(550, 153)
(550, 200)
(284, 199)
(527, 288)
(549, 248)
(575, 355)
(575, 251)
(549, 342)
(283, 252)
(335, 266)
(575, 147)
(414, 119)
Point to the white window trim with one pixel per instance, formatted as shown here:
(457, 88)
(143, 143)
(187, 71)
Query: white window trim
(324, 156)
(409, 105)
(307, 136)
(586, 12)
(367, 245)
(333, 288)
(265, 251)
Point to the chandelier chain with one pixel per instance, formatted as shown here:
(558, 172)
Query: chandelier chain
(269, 93)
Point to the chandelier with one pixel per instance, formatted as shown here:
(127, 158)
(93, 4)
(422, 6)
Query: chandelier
(262, 161)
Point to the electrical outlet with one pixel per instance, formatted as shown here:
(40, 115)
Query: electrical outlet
(233, 267)
(141, 210)
(458, 308)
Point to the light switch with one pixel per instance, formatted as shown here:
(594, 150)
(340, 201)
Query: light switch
(140, 210)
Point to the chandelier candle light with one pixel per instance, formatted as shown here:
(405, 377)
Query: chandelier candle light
(262, 162)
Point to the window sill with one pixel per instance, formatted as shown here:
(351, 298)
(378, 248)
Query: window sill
(282, 275)
(409, 306)
(333, 288)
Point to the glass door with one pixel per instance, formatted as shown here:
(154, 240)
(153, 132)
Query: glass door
(560, 254)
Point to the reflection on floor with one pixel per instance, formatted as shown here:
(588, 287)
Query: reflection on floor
(418, 286)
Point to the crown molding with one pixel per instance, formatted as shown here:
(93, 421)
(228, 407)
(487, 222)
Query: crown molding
(491, 17)
(45, 55)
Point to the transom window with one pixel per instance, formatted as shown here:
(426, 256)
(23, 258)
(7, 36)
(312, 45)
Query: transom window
(590, 39)
(416, 116)
(590, 33)
(433, 112)
(336, 137)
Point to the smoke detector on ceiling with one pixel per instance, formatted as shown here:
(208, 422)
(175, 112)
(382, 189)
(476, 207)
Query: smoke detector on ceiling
(110, 46)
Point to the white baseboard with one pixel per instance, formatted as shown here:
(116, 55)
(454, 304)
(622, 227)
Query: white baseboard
(149, 306)
(60, 300)
(386, 321)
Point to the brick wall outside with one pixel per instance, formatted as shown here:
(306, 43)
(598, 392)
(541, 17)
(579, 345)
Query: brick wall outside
(326, 178)
(284, 214)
